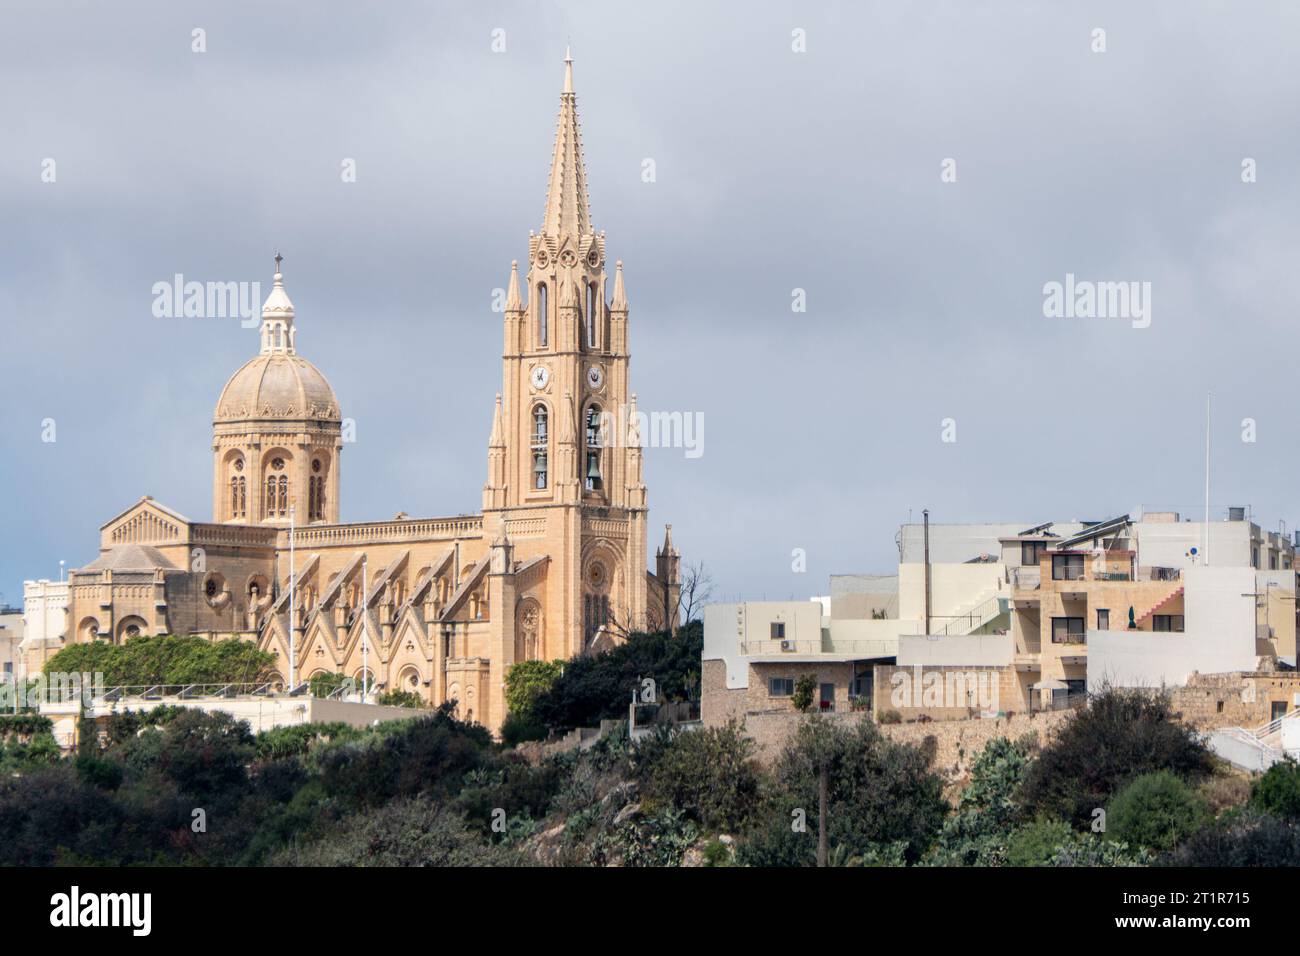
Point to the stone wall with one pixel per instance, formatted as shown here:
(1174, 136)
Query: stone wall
(956, 742)
(1210, 701)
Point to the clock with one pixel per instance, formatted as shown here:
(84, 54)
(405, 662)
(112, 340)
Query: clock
(595, 377)
(540, 376)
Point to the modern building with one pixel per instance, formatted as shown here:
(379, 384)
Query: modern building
(45, 622)
(11, 636)
(1012, 618)
(554, 565)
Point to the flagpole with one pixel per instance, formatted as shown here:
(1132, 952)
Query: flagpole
(1205, 546)
(293, 660)
(365, 629)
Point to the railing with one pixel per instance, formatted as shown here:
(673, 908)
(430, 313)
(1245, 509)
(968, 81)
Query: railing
(862, 648)
(1160, 574)
(667, 714)
(1069, 638)
(186, 691)
(976, 617)
(67, 691)
(1027, 579)
(1067, 572)
(1063, 702)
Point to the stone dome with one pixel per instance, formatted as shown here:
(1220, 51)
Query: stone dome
(277, 385)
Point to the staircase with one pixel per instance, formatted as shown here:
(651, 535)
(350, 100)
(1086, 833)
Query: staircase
(980, 613)
(1148, 614)
(1255, 750)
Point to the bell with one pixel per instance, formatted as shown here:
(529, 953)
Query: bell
(593, 467)
(539, 465)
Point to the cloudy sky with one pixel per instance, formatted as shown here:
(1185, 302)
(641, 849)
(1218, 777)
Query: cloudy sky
(776, 170)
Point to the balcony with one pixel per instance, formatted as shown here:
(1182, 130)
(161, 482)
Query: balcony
(825, 648)
(1028, 578)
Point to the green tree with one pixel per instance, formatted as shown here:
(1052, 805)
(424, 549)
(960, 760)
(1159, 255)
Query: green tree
(166, 659)
(599, 687)
(1156, 811)
(710, 774)
(988, 810)
(410, 832)
(804, 689)
(1034, 844)
(877, 792)
(400, 698)
(525, 683)
(1120, 735)
(1278, 790)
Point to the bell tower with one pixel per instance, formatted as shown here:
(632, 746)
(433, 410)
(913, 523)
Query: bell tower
(559, 448)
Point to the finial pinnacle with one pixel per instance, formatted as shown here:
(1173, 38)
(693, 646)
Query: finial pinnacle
(278, 259)
(568, 70)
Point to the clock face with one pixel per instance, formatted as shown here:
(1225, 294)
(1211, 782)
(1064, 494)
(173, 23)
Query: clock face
(540, 376)
(595, 377)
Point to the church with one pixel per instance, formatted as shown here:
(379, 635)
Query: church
(554, 566)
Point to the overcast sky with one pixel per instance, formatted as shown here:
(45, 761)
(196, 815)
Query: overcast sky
(775, 170)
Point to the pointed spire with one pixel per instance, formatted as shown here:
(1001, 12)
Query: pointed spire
(513, 302)
(567, 210)
(619, 302)
(498, 436)
(668, 539)
(633, 426)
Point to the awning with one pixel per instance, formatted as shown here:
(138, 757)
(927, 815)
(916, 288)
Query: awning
(1050, 685)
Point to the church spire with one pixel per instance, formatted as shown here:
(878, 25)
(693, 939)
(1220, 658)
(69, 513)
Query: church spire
(567, 210)
(513, 302)
(619, 302)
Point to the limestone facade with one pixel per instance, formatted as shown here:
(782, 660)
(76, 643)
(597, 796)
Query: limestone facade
(553, 566)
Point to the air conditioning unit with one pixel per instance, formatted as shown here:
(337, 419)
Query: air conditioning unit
(787, 645)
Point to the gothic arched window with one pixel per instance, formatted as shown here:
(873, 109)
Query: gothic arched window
(593, 317)
(284, 495)
(268, 506)
(541, 316)
(594, 445)
(539, 446)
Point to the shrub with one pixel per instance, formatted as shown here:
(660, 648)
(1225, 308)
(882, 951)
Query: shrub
(293, 740)
(528, 680)
(709, 774)
(322, 685)
(1119, 736)
(599, 687)
(166, 659)
(1278, 790)
(890, 716)
(1157, 811)
(1085, 849)
(804, 689)
(878, 792)
(1246, 838)
(987, 811)
(656, 839)
(1034, 844)
(413, 832)
(400, 698)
